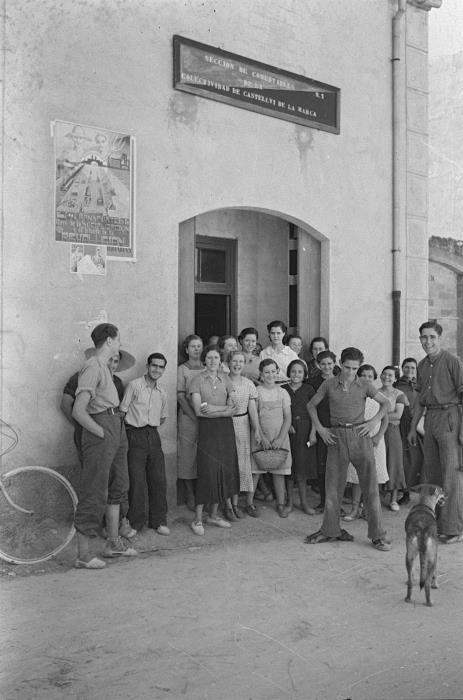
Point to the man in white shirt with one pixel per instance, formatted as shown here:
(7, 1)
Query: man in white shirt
(145, 406)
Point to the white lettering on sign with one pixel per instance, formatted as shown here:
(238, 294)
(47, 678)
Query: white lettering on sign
(219, 62)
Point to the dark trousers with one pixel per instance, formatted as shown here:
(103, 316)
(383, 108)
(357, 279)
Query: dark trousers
(442, 462)
(350, 447)
(104, 478)
(147, 472)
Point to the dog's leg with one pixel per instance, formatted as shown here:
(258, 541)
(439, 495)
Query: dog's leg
(409, 559)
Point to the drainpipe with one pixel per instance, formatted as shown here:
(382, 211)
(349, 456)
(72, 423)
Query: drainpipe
(399, 173)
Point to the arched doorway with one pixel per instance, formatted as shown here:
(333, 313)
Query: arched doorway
(245, 267)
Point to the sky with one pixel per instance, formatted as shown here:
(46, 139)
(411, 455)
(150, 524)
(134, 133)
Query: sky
(446, 28)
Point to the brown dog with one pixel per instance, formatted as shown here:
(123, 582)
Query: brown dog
(421, 538)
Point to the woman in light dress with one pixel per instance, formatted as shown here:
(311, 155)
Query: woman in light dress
(394, 449)
(369, 374)
(187, 434)
(244, 418)
(274, 411)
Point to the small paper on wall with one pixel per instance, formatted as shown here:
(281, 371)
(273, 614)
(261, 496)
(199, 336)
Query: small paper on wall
(87, 259)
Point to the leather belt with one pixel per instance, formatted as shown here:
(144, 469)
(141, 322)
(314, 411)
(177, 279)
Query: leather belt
(440, 406)
(348, 426)
(240, 415)
(109, 412)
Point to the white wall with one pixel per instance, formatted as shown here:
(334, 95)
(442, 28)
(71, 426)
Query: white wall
(109, 64)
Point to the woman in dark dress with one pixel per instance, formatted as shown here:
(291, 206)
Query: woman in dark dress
(212, 397)
(304, 465)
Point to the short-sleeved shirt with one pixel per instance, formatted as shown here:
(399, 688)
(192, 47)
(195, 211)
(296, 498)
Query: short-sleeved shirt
(440, 379)
(71, 386)
(346, 401)
(282, 357)
(96, 378)
(144, 404)
(213, 390)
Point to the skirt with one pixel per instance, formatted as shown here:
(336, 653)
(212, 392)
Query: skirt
(217, 461)
(394, 458)
(304, 458)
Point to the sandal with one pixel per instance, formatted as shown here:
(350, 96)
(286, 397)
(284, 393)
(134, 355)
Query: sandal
(282, 511)
(345, 536)
(317, 538)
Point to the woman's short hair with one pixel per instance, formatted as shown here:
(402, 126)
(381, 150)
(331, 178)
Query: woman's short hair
(265, 363)
(208, 349)
(223, 339)
(277, 324)
(393, 369)
(367, 368)
(323, 354)
(318, 339)
(188, 340)
(297, 362)
(233, 354)
(248, 331)
(407, 360)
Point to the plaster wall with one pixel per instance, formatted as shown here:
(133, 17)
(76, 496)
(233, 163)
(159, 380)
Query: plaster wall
(109, 64)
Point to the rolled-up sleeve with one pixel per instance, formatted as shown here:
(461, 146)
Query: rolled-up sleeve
(89, 378)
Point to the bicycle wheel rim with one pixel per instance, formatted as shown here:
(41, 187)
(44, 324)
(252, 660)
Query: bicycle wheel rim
(13, 559)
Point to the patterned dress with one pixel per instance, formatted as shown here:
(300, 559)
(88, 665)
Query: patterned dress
(270, 405)
(245, 391)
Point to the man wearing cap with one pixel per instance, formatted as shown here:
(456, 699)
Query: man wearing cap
(119, 361)
(104, 478)
(145, 408)
(440, 387)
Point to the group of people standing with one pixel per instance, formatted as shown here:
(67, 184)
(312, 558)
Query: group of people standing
(238, 405)
(336, 426)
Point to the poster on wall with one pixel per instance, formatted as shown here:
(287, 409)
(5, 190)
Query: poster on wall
(87, 259)
(94, 188)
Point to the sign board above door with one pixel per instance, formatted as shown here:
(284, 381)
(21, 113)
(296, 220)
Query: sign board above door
(220, 75)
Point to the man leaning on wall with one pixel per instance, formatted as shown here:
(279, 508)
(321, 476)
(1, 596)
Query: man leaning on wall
(104, 478)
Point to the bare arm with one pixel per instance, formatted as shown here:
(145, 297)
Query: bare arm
(209, 410)
(254, 420)
(382, 429)
(185, 405)
(328, 437)
(81, 415)
(67, 402)
(278, 442)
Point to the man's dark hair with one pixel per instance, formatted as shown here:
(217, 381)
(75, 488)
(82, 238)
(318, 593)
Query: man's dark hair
(352, 354)
(102, 332)
(432, 324)
(156, 356)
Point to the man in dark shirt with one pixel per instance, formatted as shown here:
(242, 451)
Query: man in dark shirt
(348, 440)
(440, 386)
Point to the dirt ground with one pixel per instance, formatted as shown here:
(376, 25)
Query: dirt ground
(247, 614)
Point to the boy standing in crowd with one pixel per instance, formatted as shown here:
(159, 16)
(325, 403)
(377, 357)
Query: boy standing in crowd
(348, 440)
(145, 406)
(440, 387)
(104, 478)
